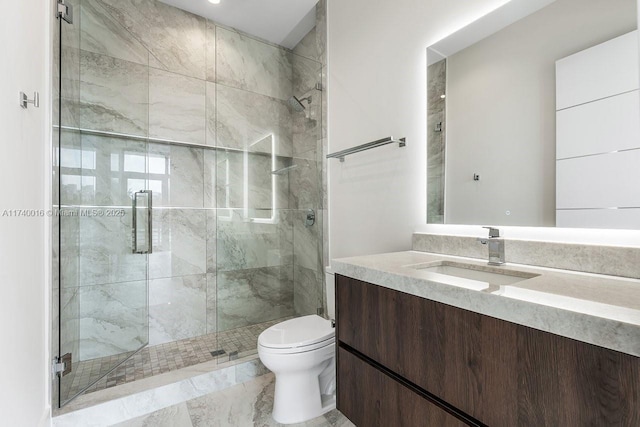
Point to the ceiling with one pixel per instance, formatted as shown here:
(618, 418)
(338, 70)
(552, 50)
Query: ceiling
(284, 22)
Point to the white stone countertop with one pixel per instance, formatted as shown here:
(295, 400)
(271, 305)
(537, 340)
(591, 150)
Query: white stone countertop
(593, 308)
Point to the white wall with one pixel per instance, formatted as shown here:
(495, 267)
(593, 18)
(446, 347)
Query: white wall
(501, 111)
(377, 81)
(24, 242)
(377, 88)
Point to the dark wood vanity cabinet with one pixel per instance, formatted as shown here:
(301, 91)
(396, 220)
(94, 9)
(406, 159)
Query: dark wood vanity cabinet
(403, 360)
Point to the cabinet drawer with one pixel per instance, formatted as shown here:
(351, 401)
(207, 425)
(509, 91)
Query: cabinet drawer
(371, 398)
(500, 373)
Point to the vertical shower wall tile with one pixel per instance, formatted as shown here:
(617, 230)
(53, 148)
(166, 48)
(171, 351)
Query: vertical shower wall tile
(245, 119)
(321, 31)
(69, 90)
(306, 185)
(245, 180)
(244, 244)
(182, 184)
(230, 179)
(307, 290)
(177, 308)
(212, 315)
(211, 51)
(69, 223)
(112, 170)
(212, 240)
(210, 171)
(102, 33)
(113, 95)
(211, 109)
(113, 319)
(308, 46)
(106, 251)
(306, 136)
(176, 107)
(307, 241)
(325, 104)
(306, 74)
(69, 320)
(174, 38)
(179, 247)
(245, 63)
(160, 264)
(247, 297)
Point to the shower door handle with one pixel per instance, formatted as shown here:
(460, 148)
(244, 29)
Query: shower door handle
(141, 228)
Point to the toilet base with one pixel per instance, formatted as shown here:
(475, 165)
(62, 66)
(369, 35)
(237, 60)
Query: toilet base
(308, 404)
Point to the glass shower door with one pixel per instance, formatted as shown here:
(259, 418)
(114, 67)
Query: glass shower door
(103, 213)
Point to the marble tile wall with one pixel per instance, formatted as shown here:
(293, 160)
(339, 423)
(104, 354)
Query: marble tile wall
(224, 255)
(308, 180)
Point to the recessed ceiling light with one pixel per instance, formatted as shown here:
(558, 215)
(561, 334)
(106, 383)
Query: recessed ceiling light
(214, 1)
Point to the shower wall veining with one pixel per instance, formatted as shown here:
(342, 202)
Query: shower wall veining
(230, 245)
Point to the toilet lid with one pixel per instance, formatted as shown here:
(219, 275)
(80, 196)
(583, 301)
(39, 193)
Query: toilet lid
(298, 332)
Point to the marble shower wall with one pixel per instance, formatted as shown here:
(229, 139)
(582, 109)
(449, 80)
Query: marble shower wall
(229, 243)
(308, 180)
(436, 141)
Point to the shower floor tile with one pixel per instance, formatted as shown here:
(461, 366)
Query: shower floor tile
(155, 360)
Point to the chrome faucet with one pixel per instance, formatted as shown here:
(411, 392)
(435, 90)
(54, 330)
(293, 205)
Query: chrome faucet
(496, 246)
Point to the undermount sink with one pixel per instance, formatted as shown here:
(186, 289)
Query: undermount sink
(485, 274)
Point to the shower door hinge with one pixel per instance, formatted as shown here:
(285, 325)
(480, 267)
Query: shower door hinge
(62, 365)
(65, 11)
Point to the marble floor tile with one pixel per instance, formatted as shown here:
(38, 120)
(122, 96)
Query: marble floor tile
(173, 416)
(176, 107)
(249, 404)
(249, 64)
(113, 95)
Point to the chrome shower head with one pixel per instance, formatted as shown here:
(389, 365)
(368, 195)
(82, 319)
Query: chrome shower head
(297, 105)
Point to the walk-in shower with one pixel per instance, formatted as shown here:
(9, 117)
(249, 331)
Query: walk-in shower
(183, 182)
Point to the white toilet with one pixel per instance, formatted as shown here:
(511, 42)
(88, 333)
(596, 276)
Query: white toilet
(301, 354)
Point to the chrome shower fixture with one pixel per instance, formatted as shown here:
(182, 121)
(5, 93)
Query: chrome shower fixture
(297, 105)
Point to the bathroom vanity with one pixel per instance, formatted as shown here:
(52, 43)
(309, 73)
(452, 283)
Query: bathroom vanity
(422, 343)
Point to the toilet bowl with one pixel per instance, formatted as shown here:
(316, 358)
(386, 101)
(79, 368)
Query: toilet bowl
(301, 354)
